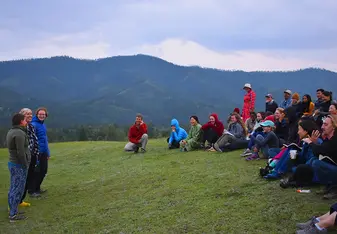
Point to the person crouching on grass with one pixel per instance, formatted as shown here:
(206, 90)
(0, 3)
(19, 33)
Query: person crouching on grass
(138, 137)
(19, 160)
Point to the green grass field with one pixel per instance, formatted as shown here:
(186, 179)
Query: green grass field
(95, 187)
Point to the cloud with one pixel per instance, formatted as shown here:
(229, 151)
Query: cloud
(284, 34)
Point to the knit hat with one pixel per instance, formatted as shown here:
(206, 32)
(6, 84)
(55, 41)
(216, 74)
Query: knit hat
(296, 96)
(237, 110)
(195, 117)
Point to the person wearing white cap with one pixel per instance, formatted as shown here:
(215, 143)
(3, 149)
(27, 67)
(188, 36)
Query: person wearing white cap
(287, 99)
(248, 102)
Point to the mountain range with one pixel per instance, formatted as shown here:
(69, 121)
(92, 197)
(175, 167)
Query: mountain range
(114, 89)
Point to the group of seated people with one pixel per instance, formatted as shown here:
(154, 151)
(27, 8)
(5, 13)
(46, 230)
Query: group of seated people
(298, 139)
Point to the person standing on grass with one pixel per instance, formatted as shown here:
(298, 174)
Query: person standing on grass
(34, 152)
(177, 134)
(138, 137)
(287, 99)
(248, 102)
(19, 160)
(44, 153)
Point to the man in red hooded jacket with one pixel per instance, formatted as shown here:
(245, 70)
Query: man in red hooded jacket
(212, 130)
(138, 137)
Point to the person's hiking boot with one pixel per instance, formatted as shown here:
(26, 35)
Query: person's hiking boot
(24, 204)
(307, 224)
(17, 217)
(254, 156)
(312, 230)
(287, 183)
(246, 153)
(272, 176)
(136, 150)
(142, 150)
(208, 146)
(35, 195)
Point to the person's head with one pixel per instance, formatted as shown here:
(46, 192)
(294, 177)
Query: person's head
(326, 96)
(19, 120)
(268, 126)
(260, 116)
(287, 94)
(306, 98)
(269, 97)
(329, 125)
(139, 119)
(213, 118)
(247, 87)
(235, 118)
(319, 93)
(279, 114)
(194, 120)
(268, 113)
(253, 115)
(27, 113)
(41, 113)
(333, 109)
(174, 124)
(295, 98)
(306, 127)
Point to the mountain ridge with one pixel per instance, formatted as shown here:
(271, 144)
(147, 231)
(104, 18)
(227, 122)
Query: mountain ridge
(114, 89)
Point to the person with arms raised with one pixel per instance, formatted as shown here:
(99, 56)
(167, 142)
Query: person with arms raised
(178, 134)
(138, 137)
(19, 160)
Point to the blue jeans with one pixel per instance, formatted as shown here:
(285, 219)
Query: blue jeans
(325, 172)
(251, 142)
(272, 152)
(264, 150)
(18, 175)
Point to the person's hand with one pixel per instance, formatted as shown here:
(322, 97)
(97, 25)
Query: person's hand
(48, 157)
(314, 136)
(316, 112)
(141, 122)
(307, 140)
(173, 128)
(255, 149)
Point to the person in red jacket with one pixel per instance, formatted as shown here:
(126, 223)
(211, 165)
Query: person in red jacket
(212, 130)
(137, 136)
(248, 102)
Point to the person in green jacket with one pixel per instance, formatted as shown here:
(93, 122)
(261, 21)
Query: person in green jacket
(193, 140)
(19, 160)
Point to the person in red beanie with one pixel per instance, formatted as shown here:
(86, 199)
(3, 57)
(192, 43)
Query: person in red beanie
(236, 110)
(212, 130)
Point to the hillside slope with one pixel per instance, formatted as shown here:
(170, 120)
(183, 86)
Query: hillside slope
(115, 89)
(94, 187)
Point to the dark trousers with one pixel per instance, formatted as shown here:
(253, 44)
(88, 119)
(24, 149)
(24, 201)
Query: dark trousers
(41, 172)
(210, 136)
(31, 177)
(174, 144)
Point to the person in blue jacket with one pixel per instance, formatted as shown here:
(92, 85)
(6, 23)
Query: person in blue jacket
(176, 136)
(44, 154)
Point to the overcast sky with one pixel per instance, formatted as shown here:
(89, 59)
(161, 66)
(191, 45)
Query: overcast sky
(226, 34)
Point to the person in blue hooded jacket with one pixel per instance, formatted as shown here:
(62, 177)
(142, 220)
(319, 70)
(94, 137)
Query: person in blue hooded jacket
(176, 136)
(44, 153)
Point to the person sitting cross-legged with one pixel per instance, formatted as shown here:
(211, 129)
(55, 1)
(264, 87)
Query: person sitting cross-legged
(193, 140)
(177, 134)
(138, 137)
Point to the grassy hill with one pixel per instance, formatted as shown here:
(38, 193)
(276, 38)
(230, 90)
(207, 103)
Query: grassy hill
(95, 187)
(114, 89)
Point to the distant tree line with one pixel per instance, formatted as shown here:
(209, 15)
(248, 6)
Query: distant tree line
(111, 132)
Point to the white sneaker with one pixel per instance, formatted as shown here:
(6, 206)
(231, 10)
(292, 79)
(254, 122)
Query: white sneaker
(246, 153)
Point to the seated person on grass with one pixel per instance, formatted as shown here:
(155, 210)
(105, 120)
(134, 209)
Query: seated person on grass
(236, 131)
(193, 140)
(138, 137)
(212, 130)
(178, 134)
(266, 142)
